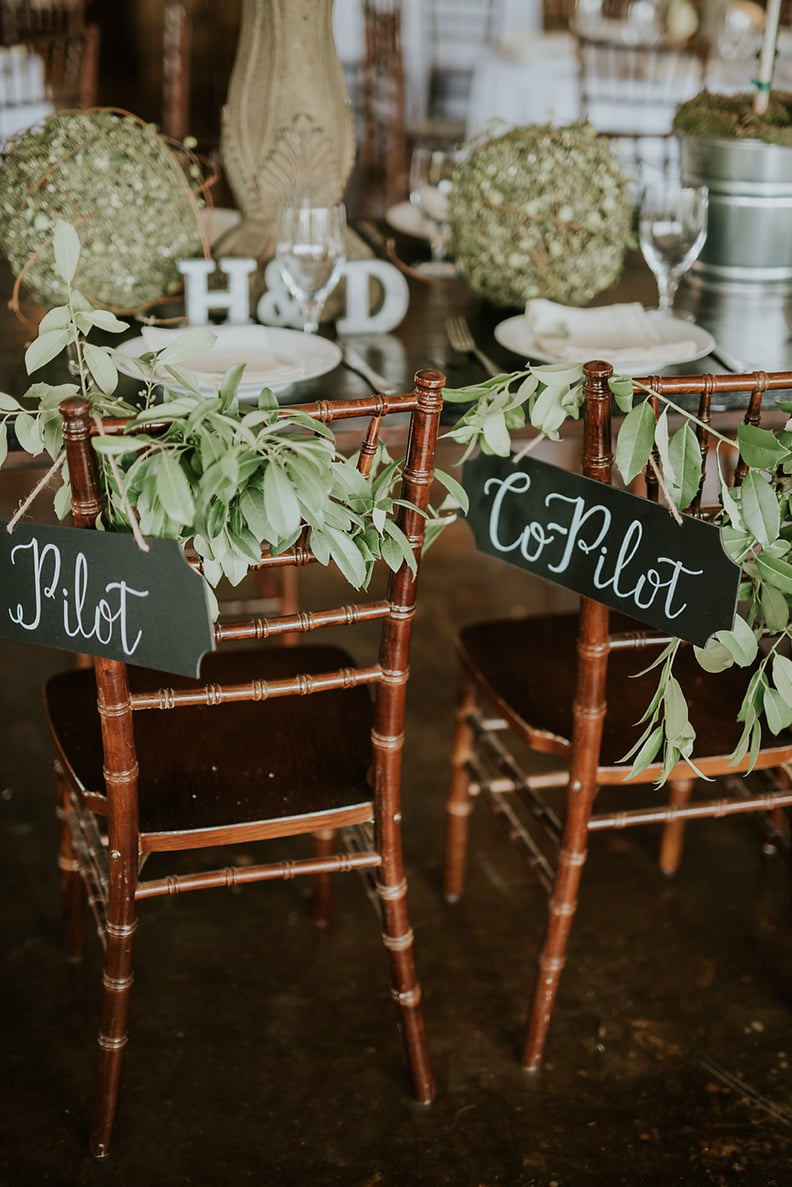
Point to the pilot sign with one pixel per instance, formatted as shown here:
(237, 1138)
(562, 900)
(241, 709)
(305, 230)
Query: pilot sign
(98, 593)
(604, 543)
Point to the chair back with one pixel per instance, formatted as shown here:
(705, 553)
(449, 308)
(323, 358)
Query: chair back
(392, 607)
(22, 19)
(382, 98)
(625, 87)
(458, 30)
(600, 639)
(46, 73)
(176, 73)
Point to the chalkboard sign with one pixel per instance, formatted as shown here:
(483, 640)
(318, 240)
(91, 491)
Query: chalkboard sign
(604, 543)
(100, 594)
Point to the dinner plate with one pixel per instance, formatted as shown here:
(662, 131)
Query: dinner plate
(274, 357)
(408, 219)
(515, 335)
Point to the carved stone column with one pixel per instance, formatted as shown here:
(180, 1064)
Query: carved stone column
(287, 129)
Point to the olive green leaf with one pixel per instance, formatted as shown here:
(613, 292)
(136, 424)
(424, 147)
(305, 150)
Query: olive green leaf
(759, 507)
(684, 455)
(45, 348)
(66, 248)
(173, 489)
(776, 572)
(635, 441)
(101, 367)
(760, 447)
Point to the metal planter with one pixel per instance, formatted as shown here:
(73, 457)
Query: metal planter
(749, 240)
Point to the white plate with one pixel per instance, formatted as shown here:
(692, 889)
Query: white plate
(408, 219)
(515, 334)
(299, 356)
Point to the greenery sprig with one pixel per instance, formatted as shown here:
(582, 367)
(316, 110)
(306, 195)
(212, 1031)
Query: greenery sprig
(755, 520)
(221, 476)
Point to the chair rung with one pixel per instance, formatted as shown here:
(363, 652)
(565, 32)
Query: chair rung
(306, 620)
(212, 695)
(519, 836)
(706, 808)
(237, 876)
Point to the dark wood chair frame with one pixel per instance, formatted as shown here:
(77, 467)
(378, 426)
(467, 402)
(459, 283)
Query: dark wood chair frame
(595, 660)
(103, 842)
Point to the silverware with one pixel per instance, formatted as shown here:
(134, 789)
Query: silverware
(378, 382)
(462, 341)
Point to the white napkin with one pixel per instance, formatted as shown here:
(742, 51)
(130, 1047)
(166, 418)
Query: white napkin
(235, 344)
(619, 334)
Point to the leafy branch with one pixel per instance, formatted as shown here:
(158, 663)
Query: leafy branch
(755, 521)
(219, 476)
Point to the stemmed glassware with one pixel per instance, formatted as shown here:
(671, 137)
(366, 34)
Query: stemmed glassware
(431, 178)
(310, 249)
(672, 231)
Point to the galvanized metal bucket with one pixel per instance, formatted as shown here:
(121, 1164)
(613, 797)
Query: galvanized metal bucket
(749, 236)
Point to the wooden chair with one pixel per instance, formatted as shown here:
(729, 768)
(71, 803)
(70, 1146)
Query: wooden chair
(176, 73)
(46, 73)
(566, 686)
(422, 98)
(245, 754)
(627, 88)
(22, 19)
(459, 30)
(382, 105)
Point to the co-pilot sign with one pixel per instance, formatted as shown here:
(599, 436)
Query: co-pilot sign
(603, 543)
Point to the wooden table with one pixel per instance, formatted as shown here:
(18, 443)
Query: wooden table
(420, 340)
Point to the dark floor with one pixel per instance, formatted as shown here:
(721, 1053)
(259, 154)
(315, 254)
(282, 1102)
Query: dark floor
(264, 1051)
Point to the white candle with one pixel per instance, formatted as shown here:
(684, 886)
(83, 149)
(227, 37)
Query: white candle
(767, 57)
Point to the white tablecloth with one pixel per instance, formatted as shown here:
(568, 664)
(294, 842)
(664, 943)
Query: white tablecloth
(23, 91)
(348, 31)
(533, 78)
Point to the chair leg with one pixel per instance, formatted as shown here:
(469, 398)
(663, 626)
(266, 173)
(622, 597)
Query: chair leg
(324, 843)
(113, 1030)
(73, 897)
(679, 791)
(460, 802)
(397, 936)
(561, 912)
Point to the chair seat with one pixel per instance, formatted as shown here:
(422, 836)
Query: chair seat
(528, 667)
(228, 766)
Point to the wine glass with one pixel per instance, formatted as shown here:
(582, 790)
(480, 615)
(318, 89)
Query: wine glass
(431, 177)
(672, 229)
(310, 249)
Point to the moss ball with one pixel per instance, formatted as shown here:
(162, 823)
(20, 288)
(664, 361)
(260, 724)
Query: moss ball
(124, 189)
(541, 211)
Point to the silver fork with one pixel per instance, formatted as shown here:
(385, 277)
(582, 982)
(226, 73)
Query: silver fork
(462, 340)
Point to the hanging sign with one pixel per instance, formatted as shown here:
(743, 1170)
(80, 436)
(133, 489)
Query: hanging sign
(606, 544)
(100, 594)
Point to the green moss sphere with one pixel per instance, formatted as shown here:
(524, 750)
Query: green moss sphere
(541, 211)
(124, 189)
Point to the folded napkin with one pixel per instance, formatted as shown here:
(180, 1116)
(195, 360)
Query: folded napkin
(619, 334)
(235, 344)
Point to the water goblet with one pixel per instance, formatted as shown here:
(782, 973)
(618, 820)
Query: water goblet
(672, 229)
(431, 178)
(310, 249)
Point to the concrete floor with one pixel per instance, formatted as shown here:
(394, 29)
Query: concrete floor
(264, 1051)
